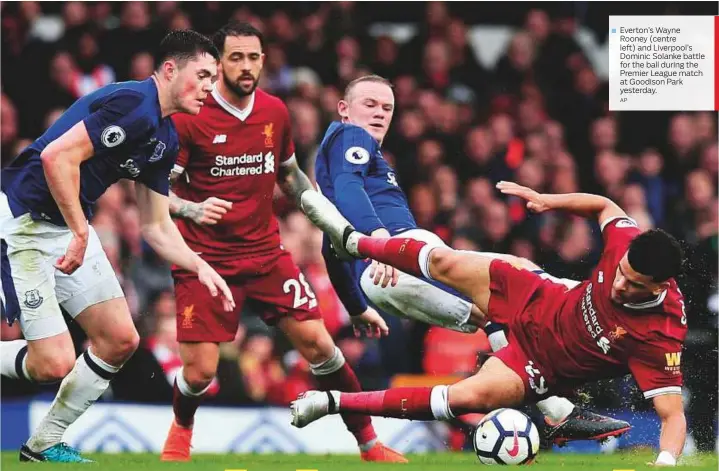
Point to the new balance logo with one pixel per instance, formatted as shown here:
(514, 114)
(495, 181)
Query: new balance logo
(220, 139)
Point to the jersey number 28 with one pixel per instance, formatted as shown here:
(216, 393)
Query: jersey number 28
(296, 287)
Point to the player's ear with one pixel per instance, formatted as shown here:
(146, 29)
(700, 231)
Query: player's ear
(664, 285)
(343, 109)
(169, 69)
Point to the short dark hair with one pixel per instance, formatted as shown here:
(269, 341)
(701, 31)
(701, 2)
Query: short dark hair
(236, 28)
(184, 45)
(366, 78)
(656, 254)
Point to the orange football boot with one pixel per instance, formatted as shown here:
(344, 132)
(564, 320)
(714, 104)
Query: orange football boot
(382, 453)
(177, 444)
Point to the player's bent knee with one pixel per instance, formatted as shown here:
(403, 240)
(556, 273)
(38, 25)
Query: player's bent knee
(198, 376)
(332, 363)
(316, 346)
(116, 350)
(126, 345)
(51, 368)
(442, 262)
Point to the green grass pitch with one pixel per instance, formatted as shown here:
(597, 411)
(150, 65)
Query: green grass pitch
(429, 462)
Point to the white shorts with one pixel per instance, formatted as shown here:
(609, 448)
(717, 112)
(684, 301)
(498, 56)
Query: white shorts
(35, 287)
(417, 299)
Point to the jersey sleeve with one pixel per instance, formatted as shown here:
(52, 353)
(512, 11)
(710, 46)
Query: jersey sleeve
(351, 151)
(182, 125)
(349, 156)
(120, 122)
(287, 153)
(619, 231)
(656, 367)
(343, 280)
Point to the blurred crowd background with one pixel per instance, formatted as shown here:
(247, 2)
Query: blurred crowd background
(539, 116)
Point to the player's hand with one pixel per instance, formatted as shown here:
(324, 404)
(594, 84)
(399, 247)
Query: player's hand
(383, 273)
(216, 284)
(536, 202)
(370, 322)
(74, 255)
(210, 211)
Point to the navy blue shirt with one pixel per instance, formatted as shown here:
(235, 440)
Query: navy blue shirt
(130, 140)
(352, 173)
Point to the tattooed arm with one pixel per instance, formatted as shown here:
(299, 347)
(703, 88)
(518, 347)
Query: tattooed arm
(208, 212)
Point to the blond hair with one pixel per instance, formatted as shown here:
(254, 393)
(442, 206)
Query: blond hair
(365, 78)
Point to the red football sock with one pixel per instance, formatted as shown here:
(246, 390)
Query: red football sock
(345, 379)
(403, 403)
(402, 253)
(184, 407)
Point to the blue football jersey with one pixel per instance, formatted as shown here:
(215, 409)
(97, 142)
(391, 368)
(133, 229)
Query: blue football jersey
(352, 173)
(130, 139)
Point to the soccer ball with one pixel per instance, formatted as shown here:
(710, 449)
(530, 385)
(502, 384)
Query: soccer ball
(506, 436)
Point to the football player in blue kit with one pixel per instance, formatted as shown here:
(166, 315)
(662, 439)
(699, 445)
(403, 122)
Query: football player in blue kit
(352, 174)
(52, 257)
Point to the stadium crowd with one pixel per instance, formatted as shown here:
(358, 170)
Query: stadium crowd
(540, 118)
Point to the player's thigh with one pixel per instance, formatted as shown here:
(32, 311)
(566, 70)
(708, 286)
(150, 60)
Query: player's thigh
(94, 282)
(28, 287)
(467, 272)
(92, 295)
(494, 386)
(200, 316)
(420, 300)
(283, 291)
(28, 283)
(517, 262)
(111, 330)
(199, 360)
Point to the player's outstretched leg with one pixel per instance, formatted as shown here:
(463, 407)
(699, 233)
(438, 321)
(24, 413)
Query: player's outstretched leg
(494, 386)
(199, 360)
(329, 367)
(467, 272)
(89, 378)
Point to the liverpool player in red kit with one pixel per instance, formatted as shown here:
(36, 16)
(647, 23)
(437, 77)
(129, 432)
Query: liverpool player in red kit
(628, 317)
(231, 156)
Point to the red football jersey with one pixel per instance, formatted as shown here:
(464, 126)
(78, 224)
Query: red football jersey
(582, 335)
(233, 154)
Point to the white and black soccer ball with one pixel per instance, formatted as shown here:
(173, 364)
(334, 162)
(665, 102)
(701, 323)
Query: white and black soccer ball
(506, 436)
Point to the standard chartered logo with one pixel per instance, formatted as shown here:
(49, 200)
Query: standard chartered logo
(269, 163)
(245, 164)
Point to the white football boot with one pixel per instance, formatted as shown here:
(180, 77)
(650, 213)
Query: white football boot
(313, 405)
(325, 215)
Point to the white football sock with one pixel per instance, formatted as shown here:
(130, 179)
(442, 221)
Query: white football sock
(496, 336)
(185, 388)
(555, 408)
(78, 391)
(12, 353)
(439, 403)
(423, 260)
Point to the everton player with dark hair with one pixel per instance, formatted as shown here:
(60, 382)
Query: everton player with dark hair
(52, 256)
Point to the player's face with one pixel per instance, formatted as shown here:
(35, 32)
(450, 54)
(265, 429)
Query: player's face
(370, 105)
(193, 82)
(632, 287)
(242, 61)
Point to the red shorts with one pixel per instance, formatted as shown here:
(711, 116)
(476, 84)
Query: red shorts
(272, 282)
(516, 300)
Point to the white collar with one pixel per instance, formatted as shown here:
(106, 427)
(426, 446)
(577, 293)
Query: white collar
(232, 109)
(647, 304)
